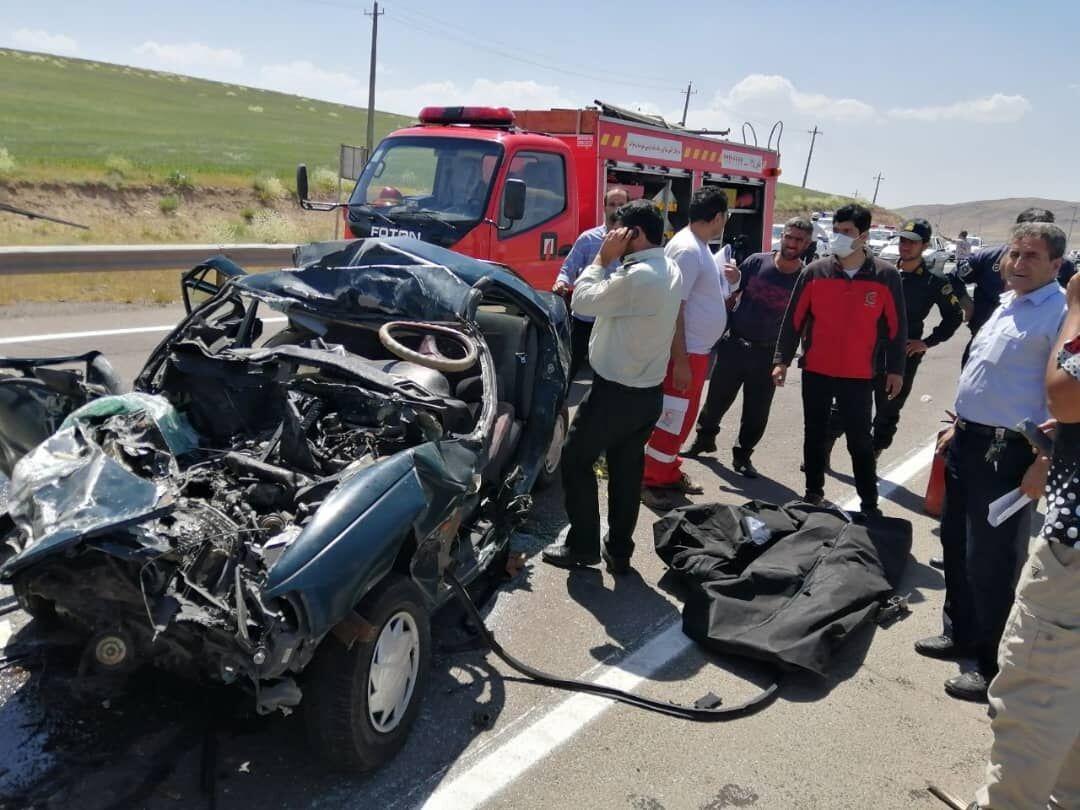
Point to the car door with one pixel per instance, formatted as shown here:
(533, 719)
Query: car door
(535, 245)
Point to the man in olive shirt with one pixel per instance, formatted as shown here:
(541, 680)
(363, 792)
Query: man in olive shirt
(635, 310)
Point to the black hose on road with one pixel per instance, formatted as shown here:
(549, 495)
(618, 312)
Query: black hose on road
(695, 713)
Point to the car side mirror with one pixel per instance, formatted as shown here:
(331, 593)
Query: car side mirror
(514, 200)
(302, 193)
(301, 183)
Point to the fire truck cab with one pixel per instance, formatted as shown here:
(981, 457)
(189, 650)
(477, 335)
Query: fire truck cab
(449, 181)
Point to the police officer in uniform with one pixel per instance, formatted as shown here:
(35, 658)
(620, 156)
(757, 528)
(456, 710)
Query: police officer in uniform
(922, 292)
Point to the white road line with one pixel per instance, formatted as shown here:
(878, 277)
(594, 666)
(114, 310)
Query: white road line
(134, 330)
(494, 772)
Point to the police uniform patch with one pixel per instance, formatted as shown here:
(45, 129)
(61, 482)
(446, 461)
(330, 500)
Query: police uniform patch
(947, 289)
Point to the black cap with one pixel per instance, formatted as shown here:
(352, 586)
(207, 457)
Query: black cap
(917, 229)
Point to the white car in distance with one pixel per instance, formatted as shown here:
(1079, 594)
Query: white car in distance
(935, 254)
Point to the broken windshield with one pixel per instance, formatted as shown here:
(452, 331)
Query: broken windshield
(414, 179)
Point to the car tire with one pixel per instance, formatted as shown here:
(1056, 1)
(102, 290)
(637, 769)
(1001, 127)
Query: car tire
(549, 465)
(349, 730)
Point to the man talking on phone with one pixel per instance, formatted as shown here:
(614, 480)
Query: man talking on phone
(635, 310)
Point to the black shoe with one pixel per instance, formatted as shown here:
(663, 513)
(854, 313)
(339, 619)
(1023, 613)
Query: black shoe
(938, 563)
(558, 554)
(813, 498)
(941, 647)
(743, 467)
(968, 686)
(703, 443)
(657, 499)
(615, 565)
(870, 511)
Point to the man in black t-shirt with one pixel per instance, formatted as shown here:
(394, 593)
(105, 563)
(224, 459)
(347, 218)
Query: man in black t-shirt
(744, 356)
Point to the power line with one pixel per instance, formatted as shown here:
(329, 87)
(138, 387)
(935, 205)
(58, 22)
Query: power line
(512, 50)
(415, 24)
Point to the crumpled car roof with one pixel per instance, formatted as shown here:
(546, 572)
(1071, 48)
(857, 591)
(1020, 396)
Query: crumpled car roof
(399, 276)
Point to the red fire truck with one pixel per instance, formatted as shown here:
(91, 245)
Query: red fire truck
(453, 179)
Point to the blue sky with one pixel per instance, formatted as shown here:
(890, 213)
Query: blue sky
(951, 101)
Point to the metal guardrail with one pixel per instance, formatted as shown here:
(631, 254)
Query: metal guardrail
(31, 260)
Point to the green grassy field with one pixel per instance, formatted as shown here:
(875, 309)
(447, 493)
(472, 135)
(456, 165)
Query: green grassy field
(90, 120)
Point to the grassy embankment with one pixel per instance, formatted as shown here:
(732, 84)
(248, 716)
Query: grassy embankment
(149, 157)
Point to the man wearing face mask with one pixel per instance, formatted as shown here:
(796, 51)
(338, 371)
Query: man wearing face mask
(843, 308)
(635, 310)
(585, 248)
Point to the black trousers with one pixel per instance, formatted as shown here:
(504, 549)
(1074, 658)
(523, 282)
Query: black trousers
(580, 332)
(981, 562)
(854, 403)
(616, 420)
(887, 411)
(748, 366)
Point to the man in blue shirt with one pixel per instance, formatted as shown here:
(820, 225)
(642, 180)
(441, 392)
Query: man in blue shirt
(983, 270)
(1000, 386)
(585, 248)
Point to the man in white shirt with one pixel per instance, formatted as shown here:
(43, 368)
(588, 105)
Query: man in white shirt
(706, 285)
(635, 310)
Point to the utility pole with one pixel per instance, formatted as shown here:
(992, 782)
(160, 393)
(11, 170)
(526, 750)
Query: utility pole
(813, 133)
(877, 185)
(689, 91)
(1068, 239)
(374, 14)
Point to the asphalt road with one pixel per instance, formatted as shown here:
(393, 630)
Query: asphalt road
(871, 735)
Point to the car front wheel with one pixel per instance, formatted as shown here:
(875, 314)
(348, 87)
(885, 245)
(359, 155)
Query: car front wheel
(361, 701)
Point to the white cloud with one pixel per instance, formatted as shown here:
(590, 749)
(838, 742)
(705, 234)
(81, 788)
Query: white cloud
(773, 95)
(189, 55)
(37, 40)
(307, 79)
(996, 109)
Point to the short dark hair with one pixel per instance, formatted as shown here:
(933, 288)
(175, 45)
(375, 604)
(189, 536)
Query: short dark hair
(707, 202)
(1051, 234)
(644, 215)
(1034, 215)
(859, 215)
(800, 224)
(962, 233)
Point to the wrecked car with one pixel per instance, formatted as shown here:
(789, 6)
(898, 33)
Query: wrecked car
(301, 460)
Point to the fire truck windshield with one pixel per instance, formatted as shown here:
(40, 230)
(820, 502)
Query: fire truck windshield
(418, 180)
